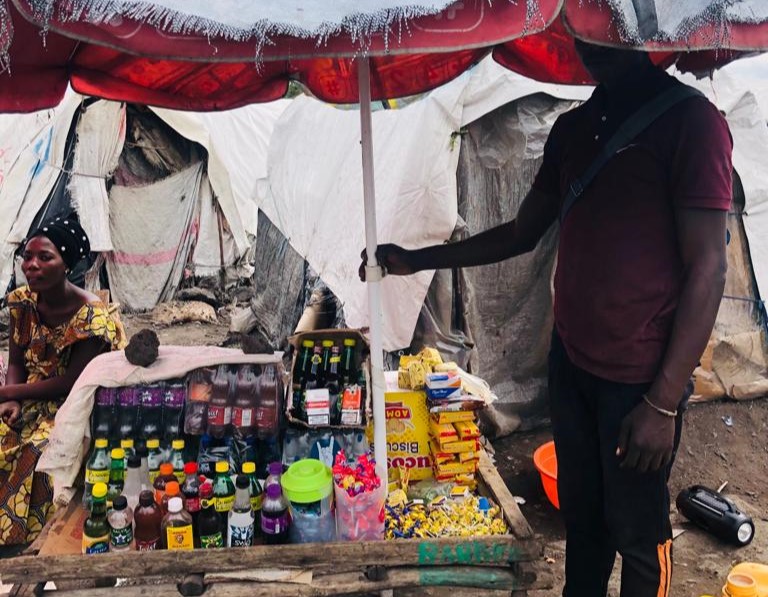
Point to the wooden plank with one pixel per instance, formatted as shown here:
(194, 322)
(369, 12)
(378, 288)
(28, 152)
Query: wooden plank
(475, 551)
(501, 495)
(487, 578)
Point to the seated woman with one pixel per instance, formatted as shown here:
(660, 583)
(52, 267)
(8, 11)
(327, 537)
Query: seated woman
(56, 330)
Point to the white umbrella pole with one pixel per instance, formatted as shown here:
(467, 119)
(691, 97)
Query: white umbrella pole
(373, 272)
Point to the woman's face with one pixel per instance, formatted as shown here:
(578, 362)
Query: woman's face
(42, 264)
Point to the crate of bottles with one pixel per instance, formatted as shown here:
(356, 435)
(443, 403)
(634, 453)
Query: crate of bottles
(330, 377)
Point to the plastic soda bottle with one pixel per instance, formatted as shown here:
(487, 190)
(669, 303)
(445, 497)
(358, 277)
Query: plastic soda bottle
(209, 521)
(176, 529)
(116, 475)
(190, 491)
(274, 516)
(120, 519)
(128, 447)
(274, 470)
(219, 408)
(127, 412)
(243, 409)
(148, 518)
(223, 492)
(174, 395)
(177, 459)
(103, 409)
(240, 520)
(133, 482)
(97, 469)
(269, 403)
(172, 490)
(95, 527)
(256, 493)
(154, 459)
(166, 474)
(151, 405)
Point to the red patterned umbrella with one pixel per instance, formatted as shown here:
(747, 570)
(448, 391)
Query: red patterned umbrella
(152, 53)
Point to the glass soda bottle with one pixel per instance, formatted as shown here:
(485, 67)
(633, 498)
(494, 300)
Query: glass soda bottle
(240, 520)
(348, 369)
(274, 516)
(326, 363)
(127, 412)
(223, 491)
(177, 459)
(190, 491)
(96, 469)
(95, 527)
(300, 372)
(166, 475)
(333, 383)
(154, 459)
(256, 493)
(243, 409)
(116, 475)
(103, 412)
(219, 408)
(209, 521)
(176, 529)
(120, 519)
(148, 518)
(134, 483)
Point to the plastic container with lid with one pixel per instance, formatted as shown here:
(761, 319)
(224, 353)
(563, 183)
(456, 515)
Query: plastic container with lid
(308, 487)
(747, 579)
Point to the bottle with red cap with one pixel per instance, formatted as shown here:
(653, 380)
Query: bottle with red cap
(209, 527)
(190, 491)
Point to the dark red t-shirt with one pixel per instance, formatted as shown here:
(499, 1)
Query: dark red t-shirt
(619, 271)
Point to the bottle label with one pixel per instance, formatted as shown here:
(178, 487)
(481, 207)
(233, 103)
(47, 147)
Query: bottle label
(121, 538)
(240, 536)
(95, 544)
(192, 504)
(256, 502)
(147, 545)
(212, 541)
(335, 359)
(179, 537)
(151, 397)
(93, 476)
(219, 415)
(127, 397)
(106, 396)
(224, 503)
(242, 417)
(180, 476)
(274, 525)
(173, 396)
(153, 475)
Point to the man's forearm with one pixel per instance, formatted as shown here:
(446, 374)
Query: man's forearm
(491, 246)
(694, 320)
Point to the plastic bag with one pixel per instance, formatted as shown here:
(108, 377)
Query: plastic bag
(360, 518)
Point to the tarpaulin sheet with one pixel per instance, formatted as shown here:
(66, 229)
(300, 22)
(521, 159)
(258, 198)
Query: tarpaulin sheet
(314, 195)
(152, 233)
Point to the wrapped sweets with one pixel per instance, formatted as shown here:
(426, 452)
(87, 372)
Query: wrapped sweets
(360, 497)
(442, 517)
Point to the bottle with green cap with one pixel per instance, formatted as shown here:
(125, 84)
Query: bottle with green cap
(223, 492)
(97, 469)
(177, 459)
(154, 459)
(96, 527)
(300, 371)
(116, 475)
(256, 492)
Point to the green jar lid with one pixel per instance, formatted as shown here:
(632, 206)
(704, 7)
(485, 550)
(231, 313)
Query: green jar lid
(307, 481)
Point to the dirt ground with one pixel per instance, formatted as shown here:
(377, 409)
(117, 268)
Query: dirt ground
(711, 453)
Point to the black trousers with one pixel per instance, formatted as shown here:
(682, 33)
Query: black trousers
(606, 509)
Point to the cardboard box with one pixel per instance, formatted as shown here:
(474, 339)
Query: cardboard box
(453, 416)
(407, 429)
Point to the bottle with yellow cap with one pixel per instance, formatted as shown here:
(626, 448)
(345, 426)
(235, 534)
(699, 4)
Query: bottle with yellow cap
(256, 493)
(128, 447)
(116, 475)
(748, 579)
(96, 527)
(177, 459)
(96, 469)
(223, 492)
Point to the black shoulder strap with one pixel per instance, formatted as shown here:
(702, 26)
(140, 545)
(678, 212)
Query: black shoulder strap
(629, 129)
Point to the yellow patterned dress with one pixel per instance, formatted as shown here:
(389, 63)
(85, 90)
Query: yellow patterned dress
(25, 495)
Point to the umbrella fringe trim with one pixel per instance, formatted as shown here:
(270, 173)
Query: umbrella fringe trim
(361, 28)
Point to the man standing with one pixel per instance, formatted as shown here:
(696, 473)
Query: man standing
(640, 274)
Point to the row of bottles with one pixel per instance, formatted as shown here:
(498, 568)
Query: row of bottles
(325, 365)
(180, 513)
